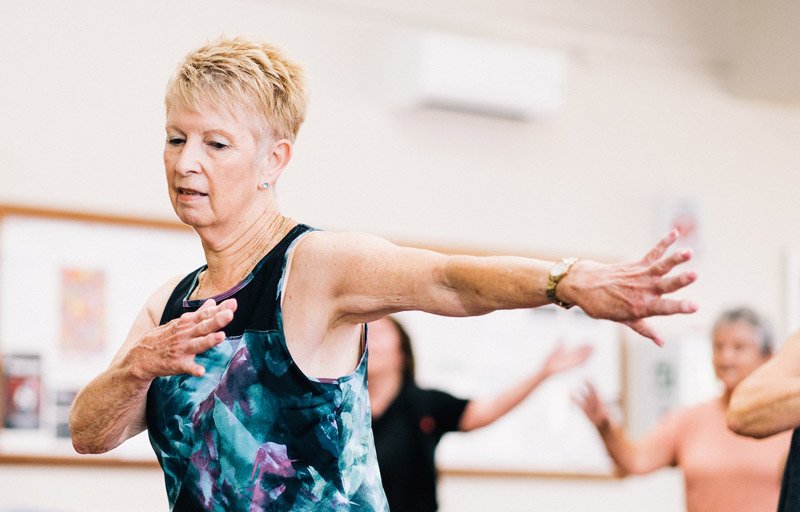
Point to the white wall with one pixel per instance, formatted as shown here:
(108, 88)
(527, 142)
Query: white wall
(645, 119)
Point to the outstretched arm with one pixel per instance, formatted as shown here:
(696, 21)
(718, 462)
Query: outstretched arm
(654, 451)
(484, 411)
(111, 408)
(361, 278)
(768, 400)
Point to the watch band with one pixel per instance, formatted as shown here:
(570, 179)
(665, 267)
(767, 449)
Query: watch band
(557, 272)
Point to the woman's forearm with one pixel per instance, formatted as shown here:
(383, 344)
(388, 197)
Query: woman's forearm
(768, 400)
(634, 458)
(484, 411)
(109, 410)
(621, 449)
(485, 284)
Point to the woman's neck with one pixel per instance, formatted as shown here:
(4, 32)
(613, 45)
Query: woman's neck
(383, 391)
(231, 259)
(725, 398)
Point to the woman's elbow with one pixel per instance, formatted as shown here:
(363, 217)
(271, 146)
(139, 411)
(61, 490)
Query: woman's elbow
(86, 444)
(741, 422)
(631, 468)
(85, 440)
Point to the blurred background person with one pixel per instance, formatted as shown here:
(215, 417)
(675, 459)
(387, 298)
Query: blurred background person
(722, 470)
(408, 422)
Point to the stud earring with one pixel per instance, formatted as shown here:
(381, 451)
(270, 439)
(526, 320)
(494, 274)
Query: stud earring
(264, 185)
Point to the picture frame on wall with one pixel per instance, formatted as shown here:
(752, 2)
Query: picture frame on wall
(71, 285)
(792, 286)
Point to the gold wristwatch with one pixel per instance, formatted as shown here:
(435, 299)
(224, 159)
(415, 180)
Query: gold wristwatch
(557, 273)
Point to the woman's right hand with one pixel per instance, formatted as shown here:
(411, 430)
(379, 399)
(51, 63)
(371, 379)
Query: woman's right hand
(170, 349)
(594, 408)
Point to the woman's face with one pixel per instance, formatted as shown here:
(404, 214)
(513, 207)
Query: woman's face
(385, 357)
(736, 352)
(210, 159)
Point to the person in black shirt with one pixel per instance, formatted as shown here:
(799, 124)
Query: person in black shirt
(408, 422)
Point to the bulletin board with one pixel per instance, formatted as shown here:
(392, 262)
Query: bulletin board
(72, 283)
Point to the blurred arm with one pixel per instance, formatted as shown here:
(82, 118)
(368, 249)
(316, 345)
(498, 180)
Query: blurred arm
(484, 411)
(654, 451)
(768, 400)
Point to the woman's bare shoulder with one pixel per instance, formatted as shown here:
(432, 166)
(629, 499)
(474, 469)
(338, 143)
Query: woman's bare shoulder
(158, 300)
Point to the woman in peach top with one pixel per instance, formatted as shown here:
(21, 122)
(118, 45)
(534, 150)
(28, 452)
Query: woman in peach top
(722, 470)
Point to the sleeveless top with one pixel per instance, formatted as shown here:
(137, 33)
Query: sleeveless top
(255, 433)
(790, 487)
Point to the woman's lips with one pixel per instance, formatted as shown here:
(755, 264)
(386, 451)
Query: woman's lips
(188, 194)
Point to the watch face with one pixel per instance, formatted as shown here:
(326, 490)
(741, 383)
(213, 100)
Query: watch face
(558, 268)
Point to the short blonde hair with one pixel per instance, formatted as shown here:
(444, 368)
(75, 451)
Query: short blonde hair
(243, 72)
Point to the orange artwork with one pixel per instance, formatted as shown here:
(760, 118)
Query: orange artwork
(83, 310)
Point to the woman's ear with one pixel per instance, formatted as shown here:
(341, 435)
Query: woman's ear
(276, 159)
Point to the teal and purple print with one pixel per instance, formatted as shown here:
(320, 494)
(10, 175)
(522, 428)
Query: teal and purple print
(254, 433)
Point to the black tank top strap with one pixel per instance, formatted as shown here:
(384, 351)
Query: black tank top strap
(256, 294)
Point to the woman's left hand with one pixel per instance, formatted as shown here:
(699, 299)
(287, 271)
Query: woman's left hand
(630, 292)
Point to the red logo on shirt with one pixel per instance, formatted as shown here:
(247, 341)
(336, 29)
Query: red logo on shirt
(427, 424)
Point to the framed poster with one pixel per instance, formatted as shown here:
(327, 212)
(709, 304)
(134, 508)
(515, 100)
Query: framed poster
(792, 289)
(71, 285)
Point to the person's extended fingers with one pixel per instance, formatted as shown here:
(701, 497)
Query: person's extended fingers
(215, 323)
(584, 351)
(658, 250)
(645, 330)
(664, 265)
(674, 283)
(578, 399)
(195, 370)
(208, 309)
(229, 304)
(664, 307)
(203, 343)
(209, 303)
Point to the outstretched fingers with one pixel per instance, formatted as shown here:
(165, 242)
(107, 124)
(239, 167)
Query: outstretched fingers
(661, 247)
(664, 265)
(643, 328)
(675, 283)
(195, 333)
(212, 324)
(586, 398)
(211, 319)
(664, 307)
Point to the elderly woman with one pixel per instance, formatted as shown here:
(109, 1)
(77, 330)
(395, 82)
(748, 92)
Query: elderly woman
(408, 422)
(249, 373)
(722, 471)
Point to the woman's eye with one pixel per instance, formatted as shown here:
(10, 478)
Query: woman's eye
(217, 145)
(175, 141)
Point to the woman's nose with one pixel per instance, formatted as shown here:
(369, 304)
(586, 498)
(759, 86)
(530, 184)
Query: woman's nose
(188, 159)
(725, 356)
